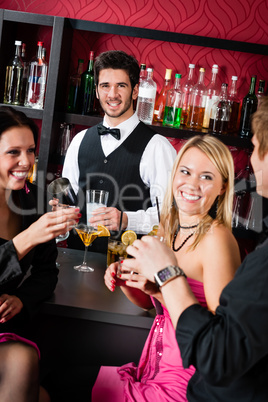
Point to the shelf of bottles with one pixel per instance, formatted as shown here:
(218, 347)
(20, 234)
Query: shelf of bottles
(179, 111)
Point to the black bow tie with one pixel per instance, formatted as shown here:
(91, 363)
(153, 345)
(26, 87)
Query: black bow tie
(115, 132)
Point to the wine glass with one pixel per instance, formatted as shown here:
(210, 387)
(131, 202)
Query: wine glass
(87, 234)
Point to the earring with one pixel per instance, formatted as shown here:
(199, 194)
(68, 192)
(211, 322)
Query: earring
(214, 208)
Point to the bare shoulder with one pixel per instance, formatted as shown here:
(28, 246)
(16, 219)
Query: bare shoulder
(219, 236)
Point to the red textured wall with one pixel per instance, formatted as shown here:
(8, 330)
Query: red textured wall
(242, 20)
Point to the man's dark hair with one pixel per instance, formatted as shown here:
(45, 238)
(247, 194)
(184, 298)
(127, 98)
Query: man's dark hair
(117, 60)
(10, 117)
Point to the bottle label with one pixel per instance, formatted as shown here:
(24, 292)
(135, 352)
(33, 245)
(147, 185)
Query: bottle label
(147, 92)
(37, 80)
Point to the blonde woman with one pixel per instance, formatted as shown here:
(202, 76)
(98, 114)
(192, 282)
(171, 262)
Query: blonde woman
(196, 223)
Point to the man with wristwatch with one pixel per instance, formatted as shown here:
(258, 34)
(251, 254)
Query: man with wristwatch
(229, 349)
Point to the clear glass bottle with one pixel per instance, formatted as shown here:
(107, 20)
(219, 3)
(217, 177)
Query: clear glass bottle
(66, 136)
(220, 113)
(213, 95)
(172, 114)
(161, 99)
(146, 98)
(197, 103)
(235, 107)
(25, 74)
(87, 90)
(260, 94)
(74, 88)
(186, 90)
(249, 106)
(14, 75)
(36, 88)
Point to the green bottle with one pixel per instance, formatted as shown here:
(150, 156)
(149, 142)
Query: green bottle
(172, 113)
(249, 106)
(74, 89)
(87, 90)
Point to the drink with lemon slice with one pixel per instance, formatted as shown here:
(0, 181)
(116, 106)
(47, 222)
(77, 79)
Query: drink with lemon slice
(117, 249)
(88, 234)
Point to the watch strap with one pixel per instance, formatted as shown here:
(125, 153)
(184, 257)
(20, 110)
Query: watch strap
(168, 273)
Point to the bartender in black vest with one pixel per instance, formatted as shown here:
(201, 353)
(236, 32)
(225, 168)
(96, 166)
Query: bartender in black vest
(122, 155)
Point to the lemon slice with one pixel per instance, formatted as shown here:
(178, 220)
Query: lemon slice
(154, 230)
(128, 237)
(103, 231)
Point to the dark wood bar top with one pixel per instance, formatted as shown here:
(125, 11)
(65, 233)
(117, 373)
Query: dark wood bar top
(84, 295)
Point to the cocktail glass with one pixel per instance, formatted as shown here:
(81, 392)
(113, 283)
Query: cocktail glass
(87, 234)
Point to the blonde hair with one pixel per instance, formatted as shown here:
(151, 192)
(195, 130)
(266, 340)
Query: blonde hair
(222, 159)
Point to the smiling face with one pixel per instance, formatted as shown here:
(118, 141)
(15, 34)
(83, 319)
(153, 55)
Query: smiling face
(17, 155)
(115, 95)
(196, 184)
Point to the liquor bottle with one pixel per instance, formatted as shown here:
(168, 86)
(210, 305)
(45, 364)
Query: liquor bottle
(197, 103)
(260, 94)
(74, 88)
(249, 106)
(87, 90)
(235, 107)
(14, 74)
(35, 93)
(220, 113)
(186, 90)
(172, 114)
(146, 98)
(143, 73)
(213, 93)
(25, 74)
(161, 99)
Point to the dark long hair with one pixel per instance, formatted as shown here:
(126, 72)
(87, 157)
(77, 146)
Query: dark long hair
(10, 117)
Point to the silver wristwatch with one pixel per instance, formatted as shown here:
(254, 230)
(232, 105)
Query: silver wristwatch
(167, 274)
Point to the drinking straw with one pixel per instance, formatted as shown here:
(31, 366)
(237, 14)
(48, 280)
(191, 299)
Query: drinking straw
(158, 210)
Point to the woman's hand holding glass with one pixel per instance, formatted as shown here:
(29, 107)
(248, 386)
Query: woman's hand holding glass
(53, 224)
(125, 277)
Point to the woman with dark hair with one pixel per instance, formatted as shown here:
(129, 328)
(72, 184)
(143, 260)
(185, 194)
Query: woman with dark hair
(26, 244)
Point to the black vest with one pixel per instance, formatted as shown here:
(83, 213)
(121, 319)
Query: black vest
(119, 172)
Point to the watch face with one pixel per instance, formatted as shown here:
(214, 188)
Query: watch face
(165, 274)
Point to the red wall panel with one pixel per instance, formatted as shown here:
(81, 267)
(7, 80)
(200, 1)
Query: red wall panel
(242, 20)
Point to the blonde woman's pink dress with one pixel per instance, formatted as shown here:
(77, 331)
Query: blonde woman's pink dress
(159, 376)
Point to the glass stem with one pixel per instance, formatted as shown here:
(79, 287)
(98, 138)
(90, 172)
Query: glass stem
(85, 256)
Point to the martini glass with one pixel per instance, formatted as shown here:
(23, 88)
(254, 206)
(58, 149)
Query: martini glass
(87, 234)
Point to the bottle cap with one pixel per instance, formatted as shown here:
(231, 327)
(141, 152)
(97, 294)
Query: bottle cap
(18, 42)
(143, 66)
(202, 69)
(91, 55)
(80, 60)
(234, 78)
(177, 75)
(39, 43)
(149, 69)
(191, 65)
(215, 67)
(168, 73)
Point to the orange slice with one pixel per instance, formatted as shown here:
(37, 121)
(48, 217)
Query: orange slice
(103, 231)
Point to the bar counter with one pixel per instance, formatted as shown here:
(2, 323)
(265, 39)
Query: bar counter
(84, 295)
